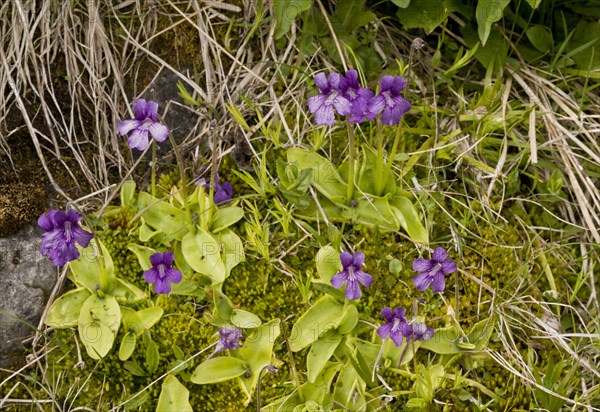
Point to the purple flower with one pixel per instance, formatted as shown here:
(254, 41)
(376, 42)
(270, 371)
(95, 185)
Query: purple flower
(421, 331)
(331, 96)
(145, 121)
(162, 273)
(229, 339)
(62, 231)
(396, 326)
(223, 192)
(357, 96)
(389, 101)
(351, 275)
(433, 271)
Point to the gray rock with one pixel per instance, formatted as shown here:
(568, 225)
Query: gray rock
(26, 281)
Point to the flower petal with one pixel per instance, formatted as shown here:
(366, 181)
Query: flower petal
(352, 79)
(335, 81)
(387, 82)
(342, 105)
(376, 104)
(156, 259)
(399, 313)
(405, 329)
(391, 116)
(398, 85)
(45, 223)
(422, 281)
(396, 337)
(168, 258)
(384, 330)
(152, 110)
(439, 255)
(83, 237)
(321, 82)
(159, 132)
(173, 275)
(421, 265)
(358, 259)
(448, 266)
(325, 116)
(314, 103)
(364, 278)
(339, 279)
(162, 287)
(139, 109)
(346, 259)
(151, 275)
(126, 126)
(138, 139)
(387, 314)
(352, 290)
(439, 283)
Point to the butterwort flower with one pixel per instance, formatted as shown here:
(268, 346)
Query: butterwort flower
(357, 96)
(433, 271)
(351, 275)
(162, 274)
(396, 326)
(62, 232)
(389, 101)
(420, 331)
(222, 192)
(145, 121)
(229, 338)
(331, 96)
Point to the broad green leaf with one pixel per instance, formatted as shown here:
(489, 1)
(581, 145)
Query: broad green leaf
(407, 217)
(147, 233)
(351, 14)
(126, 292)
(133, 404)
(163, 216)
(325, 176)
(430, 380)
(225, 217)
(480, 333)
(148, 317)
(87, 270)
(152, 356)
(488, 12)
(324, 315)
(233, 249)
(401, 3)
(349, 320)
(127, 346)
(173, 396)
(349, 389)
(328, 263)
(320, 352)
(541, 38)
(134, 368)
(219, 369)
(187, 287)
(244, 320)
(534, 3)
(423, 14)
(99, 323)
(128, 193)
(443, 341)
(65, 310)
(258, 353)
(203, 253)
(143, 254)
(286, 11)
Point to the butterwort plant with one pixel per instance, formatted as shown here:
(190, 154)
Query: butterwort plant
(162, 274)
(144, 122)
(433, 271)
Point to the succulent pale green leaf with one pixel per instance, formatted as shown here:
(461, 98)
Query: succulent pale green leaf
(126, 292)
(203, 253)
(328, 263)
(324, 315)
(225, 217)
(407, 217)
(163, 216)
(245, 320)
(320, 352)
(87, 270)
(128, 193)
(233, 249)
(173, 396)
(258, 353)
(488, 12)
(65, 310)
(127, 346)
(443, 341)
(286, 11)
(152, 356)
(325, 176)
(99, 322)
(349, 320)
(143, 254)
(219, 369)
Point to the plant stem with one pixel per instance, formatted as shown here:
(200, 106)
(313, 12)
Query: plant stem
(188, 213)
(350, 191)
(379, 162)
(153, 175)
(388, 166)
